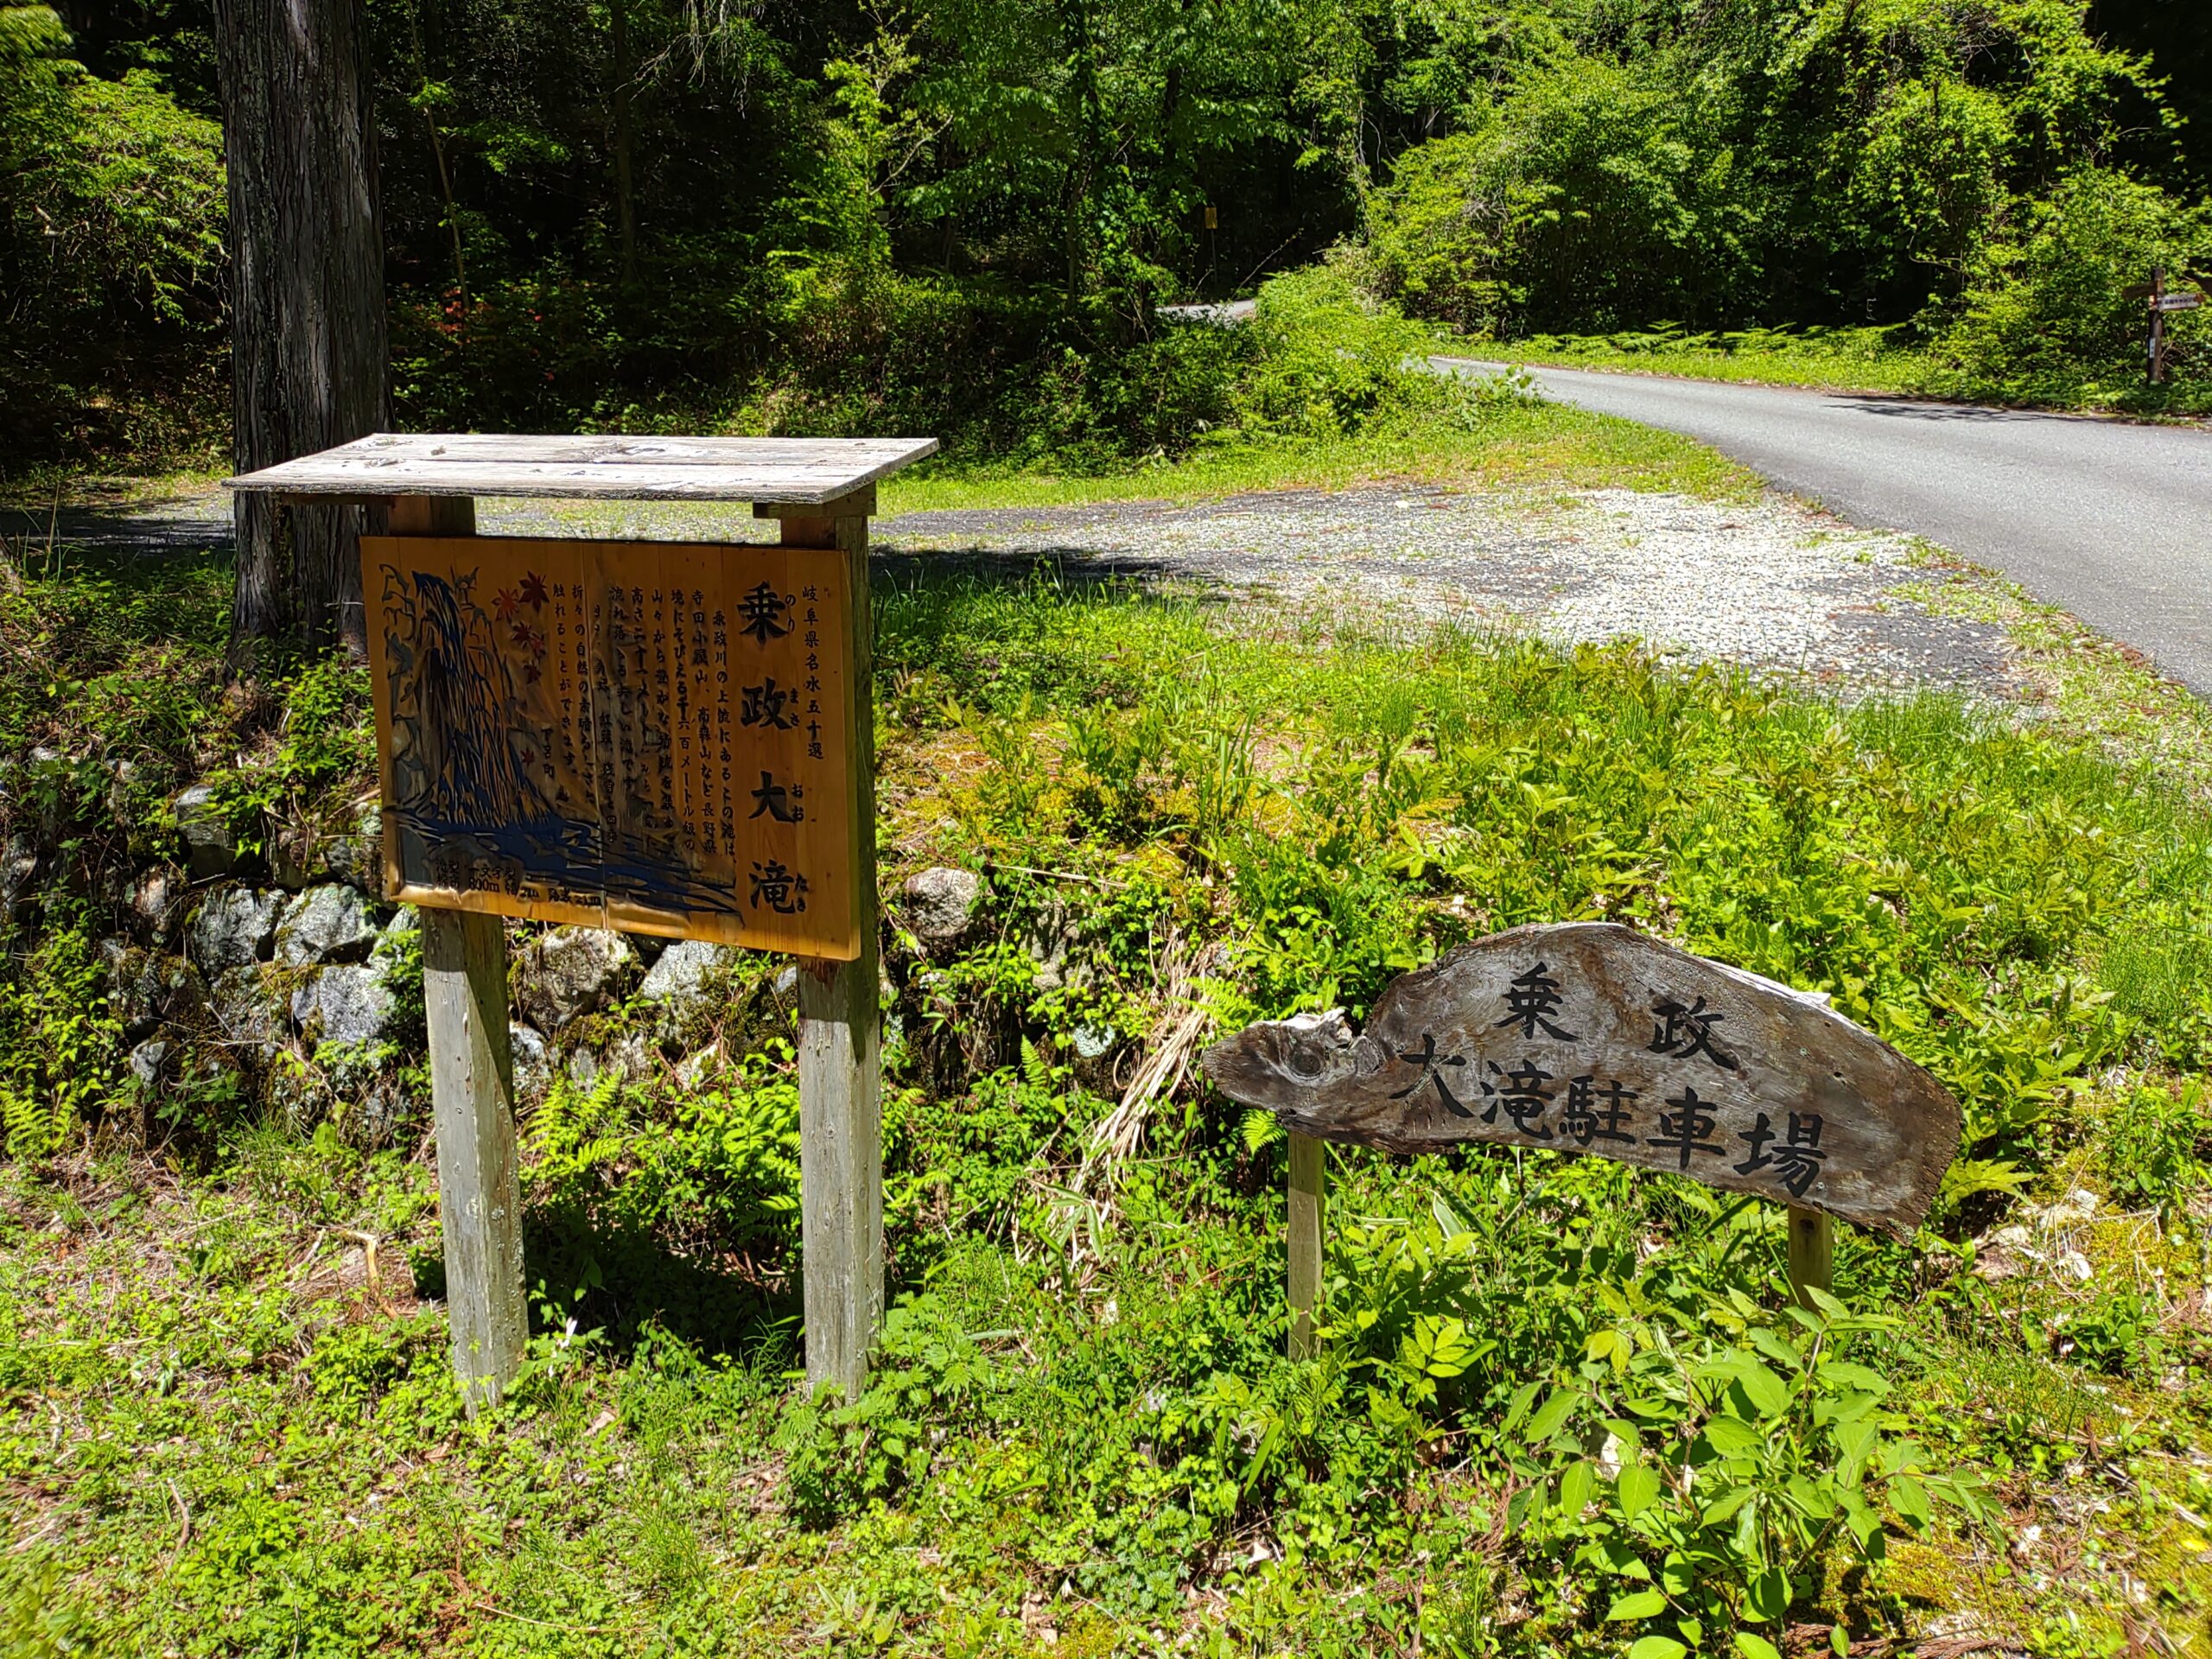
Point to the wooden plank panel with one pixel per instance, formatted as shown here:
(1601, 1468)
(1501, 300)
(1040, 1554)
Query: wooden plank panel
(803, 471)
(558, 448)
(1589, 1037)
(642, 735)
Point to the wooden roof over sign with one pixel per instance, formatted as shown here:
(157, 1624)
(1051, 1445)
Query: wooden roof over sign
(797, 471)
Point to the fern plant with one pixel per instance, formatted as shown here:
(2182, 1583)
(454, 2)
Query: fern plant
(57, 1043)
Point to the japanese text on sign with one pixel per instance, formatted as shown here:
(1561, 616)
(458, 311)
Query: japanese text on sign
(1591, 1038)
(642, 735)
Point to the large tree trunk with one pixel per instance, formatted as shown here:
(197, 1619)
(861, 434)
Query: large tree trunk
(309, 349)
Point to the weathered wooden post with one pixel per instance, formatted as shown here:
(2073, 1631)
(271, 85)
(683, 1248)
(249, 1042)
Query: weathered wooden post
(570, 730)
(840, 1031)
(1308, 1169)
(472, 1096)
(1589, 1037)
(1812, 1254)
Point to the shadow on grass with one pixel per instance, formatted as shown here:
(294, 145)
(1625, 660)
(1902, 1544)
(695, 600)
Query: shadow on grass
(630, 1286)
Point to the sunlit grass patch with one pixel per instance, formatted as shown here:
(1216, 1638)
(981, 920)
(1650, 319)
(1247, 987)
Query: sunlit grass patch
(1540, 444)
(1840, 359)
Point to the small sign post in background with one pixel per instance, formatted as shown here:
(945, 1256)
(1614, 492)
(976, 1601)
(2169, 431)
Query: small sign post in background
(1590, 1037)
(2163, 301)
(667, 737)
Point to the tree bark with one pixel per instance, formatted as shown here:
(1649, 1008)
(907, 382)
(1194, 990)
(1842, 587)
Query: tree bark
(308, 350)
(623, 116)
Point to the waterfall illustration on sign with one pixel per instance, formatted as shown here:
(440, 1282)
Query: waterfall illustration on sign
(494, 784)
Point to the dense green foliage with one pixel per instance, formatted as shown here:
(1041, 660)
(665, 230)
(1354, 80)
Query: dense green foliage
(111, 251)
(959, 216)
(1963, 168)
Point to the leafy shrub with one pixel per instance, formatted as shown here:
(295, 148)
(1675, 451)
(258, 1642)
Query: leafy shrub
(2117, 1333)
(1703, 1478)
(718, 1168)
(2047, 319)
(1330, 359)
(924, 1377)
(327, 736)
(111, 211)
(2150, 1148)
(651, 1203)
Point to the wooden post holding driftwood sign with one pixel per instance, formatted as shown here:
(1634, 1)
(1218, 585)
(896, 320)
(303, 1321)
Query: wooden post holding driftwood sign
(667, 737)
(1590, 1037)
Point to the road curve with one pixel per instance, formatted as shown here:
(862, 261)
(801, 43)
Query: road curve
(2112, 520)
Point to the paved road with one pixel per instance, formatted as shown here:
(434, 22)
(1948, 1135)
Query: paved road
(2111, 521)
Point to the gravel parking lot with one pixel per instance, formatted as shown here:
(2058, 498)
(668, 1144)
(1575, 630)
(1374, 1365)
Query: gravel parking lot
(1764, 583)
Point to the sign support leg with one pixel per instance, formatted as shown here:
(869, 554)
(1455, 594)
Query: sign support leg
(1812, 1254)
(840, 1041)
(472, 1094)
(480, 1188)
(1306, 1177)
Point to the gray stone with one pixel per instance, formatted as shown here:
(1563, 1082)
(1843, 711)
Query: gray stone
(346, 1003)
(157, 901)
(357, 856)
(786, 984)
(939, 905)
(533, 1062)
(634, 1057)
(148, 1060)
(325, 925)
(210, 849)
(294, 860)
(232, 928)
(249, 1008)
(375, 1114)
(687, 975)
(629, 1060)
(1090, 1042)
(1048, 940)
(695, 1071)
(148, 989)
(18, 875)
(570, 972)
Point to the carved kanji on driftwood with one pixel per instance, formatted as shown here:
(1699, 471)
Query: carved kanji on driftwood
(1589, 1037)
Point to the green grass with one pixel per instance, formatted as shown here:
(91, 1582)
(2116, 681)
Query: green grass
(1836, 359)
(221, 1434)
(1526, 443)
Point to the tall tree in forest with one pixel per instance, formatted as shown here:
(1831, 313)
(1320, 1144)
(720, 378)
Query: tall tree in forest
(308, 350)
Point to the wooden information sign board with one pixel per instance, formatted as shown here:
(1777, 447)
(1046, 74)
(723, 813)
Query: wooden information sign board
(642, 735)
(1590, 1037)
(674, 738)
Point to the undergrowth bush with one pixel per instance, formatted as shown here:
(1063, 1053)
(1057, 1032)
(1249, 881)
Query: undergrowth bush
(2050, 318)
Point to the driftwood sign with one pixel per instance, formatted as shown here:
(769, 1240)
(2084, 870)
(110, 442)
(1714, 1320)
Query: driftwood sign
(1589, 1037)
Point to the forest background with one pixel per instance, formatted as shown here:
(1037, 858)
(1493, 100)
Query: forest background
(959, 217)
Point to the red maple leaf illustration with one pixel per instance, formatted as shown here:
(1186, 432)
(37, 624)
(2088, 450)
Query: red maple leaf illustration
(530, 673)
(533, 590)
(504, 604)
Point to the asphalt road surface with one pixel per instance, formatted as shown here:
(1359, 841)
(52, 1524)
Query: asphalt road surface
(2111, 520)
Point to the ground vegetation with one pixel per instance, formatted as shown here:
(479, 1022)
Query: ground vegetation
(1563, 1409)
